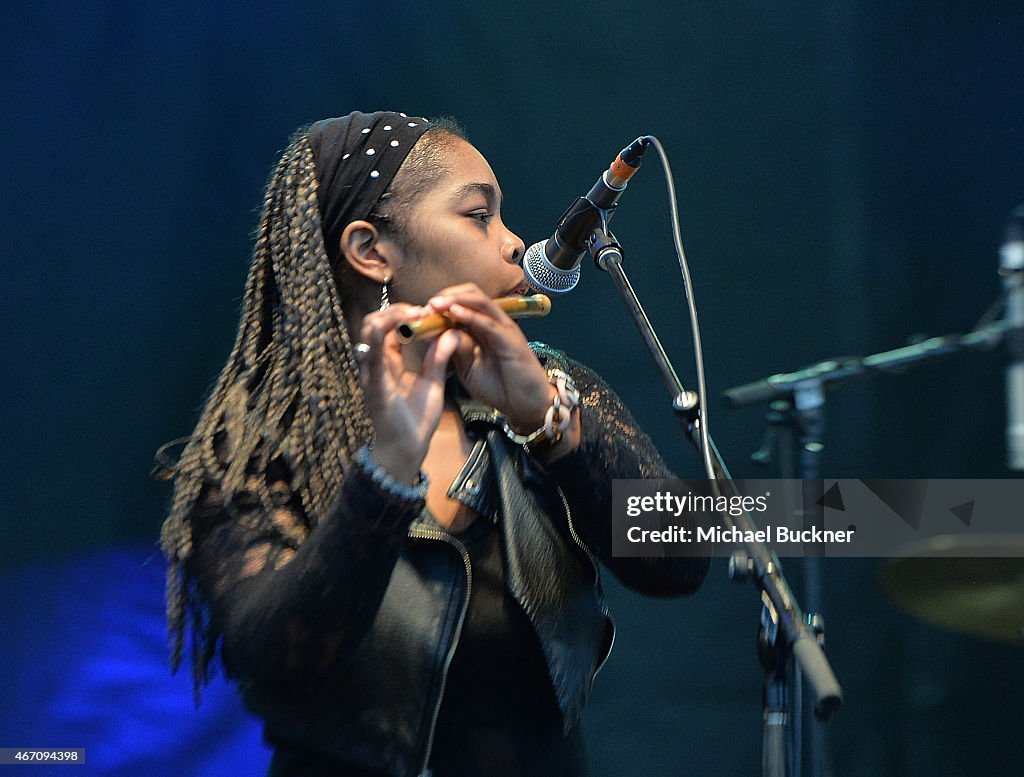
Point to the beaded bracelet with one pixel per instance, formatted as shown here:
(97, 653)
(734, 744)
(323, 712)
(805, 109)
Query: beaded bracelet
(565, 400)
(387, 483)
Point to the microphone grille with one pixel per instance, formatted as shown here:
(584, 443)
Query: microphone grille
(544, 276)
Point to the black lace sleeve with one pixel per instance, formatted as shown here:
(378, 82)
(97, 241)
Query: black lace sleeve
(289, 602)
(613, 446)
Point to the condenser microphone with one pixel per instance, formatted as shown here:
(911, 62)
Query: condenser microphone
(553, 266)
(1011, 267)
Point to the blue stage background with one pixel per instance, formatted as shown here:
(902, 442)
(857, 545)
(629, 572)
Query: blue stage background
(845, 171)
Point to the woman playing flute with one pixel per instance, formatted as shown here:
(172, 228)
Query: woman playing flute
(391, 547)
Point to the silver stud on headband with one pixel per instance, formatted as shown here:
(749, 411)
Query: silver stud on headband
(346, 157)
(394, 143)
(387, 126)
(370, 152)
(366, 131)
(375, 173)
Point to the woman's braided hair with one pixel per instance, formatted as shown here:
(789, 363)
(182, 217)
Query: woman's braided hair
(288, 399)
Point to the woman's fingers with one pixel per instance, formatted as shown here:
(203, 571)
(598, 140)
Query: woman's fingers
(404, 404)
(488, 350)
(438, 354)
(480, 315)
(466, 353)
(382, 356)
(378, 324)
(467, 295)
(383, 371)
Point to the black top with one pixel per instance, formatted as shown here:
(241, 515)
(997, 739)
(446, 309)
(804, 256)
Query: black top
(499, 716)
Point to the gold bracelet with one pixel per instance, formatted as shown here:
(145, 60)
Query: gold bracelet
(563, 403)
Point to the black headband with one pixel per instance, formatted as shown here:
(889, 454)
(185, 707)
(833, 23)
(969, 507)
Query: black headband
(356, 157)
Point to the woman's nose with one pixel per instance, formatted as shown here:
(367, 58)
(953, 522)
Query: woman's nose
(514, 248)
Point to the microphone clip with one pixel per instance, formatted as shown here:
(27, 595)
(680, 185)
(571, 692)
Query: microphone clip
(575, 229)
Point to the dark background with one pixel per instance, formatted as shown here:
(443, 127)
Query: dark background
(844, 172)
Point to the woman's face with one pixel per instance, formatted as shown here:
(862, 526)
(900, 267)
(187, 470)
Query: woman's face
(457, 235)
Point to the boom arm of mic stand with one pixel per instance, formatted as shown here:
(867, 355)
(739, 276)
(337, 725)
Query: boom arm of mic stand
(833, 372)
(764, 566)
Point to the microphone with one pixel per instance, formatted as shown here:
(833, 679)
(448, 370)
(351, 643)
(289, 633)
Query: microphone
(553, 266)
(1011, 267)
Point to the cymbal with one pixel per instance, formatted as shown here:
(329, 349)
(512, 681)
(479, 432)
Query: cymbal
(972, 584)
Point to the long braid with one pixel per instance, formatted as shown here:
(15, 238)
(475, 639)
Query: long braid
(289, 391)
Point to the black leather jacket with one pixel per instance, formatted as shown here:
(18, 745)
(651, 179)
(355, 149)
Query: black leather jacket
(352, 662)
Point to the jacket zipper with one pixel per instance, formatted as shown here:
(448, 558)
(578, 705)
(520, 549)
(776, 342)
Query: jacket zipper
(593, 566)
(450, 540)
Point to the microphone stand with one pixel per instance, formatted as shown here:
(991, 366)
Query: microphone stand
(801, 419)
(786, 632)
(797, 407)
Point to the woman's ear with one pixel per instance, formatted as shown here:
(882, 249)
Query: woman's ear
(368, 253)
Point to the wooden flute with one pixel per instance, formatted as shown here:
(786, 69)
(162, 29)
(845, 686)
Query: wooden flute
(533, 306)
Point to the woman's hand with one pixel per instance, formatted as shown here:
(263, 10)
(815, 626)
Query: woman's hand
(404, 405)
(493, 360)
